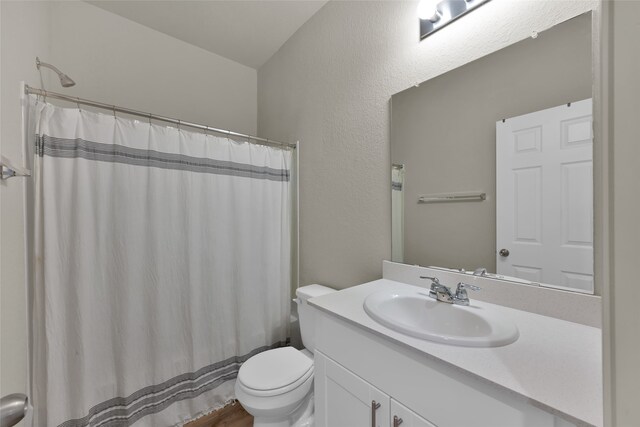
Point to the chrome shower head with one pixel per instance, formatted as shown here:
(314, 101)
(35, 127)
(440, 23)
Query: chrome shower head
(65, 80)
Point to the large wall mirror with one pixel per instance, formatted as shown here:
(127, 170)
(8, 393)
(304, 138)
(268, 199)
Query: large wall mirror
(492, 164)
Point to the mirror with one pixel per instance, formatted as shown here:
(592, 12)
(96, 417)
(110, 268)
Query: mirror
(492, 164)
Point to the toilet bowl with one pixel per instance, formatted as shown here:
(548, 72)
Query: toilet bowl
(276, 386)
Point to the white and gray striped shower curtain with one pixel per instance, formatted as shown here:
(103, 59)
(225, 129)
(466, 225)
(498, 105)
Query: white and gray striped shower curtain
(162, 263)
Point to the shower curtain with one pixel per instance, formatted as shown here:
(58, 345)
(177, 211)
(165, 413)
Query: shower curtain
(162, 263)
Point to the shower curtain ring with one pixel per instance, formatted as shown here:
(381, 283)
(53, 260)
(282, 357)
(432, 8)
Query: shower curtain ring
(114, 111)
(149, 118)
(78, 104)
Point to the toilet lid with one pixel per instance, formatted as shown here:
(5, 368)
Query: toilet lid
(274, 369)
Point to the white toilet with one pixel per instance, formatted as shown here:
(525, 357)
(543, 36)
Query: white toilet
(276, 386)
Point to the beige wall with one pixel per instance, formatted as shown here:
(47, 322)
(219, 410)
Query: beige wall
(118, 61)
(112, 60)
(329, 87)
(623, 320)
(444, 132)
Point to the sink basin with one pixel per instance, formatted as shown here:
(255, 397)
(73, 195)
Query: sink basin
(414, 313)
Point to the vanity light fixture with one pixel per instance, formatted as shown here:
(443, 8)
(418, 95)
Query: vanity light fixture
(435, 14)
(428, 10)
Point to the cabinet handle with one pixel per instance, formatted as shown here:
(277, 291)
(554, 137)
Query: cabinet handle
(397, 421)
(374, 407)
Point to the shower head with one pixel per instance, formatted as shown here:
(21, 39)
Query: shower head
(65, 80)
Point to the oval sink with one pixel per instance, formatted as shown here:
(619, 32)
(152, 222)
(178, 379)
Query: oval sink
(414, 313)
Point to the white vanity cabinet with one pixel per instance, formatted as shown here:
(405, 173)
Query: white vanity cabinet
(354, 367)
(345, 400)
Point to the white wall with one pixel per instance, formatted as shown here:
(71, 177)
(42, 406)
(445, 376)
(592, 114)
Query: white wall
(329, 87)
(24, 33)
(118, 61)
(112, 60)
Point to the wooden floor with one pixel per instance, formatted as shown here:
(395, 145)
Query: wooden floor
(232, 415)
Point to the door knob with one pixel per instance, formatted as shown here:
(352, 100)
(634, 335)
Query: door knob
(504, 253)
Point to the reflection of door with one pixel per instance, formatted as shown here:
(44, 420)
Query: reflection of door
(544, 196)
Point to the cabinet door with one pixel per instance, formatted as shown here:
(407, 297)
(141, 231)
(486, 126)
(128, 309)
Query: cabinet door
(345, 400)
(406, 417)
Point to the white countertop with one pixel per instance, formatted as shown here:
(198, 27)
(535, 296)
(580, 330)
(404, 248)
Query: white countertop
(555, 365)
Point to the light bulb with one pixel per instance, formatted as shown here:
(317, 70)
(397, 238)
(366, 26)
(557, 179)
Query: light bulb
(428, 9)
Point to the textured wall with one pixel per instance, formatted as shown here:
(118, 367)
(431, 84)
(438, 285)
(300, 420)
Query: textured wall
(112, 60)
(329, 86)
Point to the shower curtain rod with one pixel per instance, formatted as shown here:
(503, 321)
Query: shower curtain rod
(263, 141)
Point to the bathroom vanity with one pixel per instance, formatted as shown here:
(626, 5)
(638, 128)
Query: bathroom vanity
(367, 374)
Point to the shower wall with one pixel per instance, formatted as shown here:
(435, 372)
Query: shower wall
(113, 60)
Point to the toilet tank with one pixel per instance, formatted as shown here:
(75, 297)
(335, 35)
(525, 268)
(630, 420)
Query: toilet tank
(306, 313)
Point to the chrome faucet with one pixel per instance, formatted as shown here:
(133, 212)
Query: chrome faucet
(439, 291)
(480, 272)
(443, 293)
(461, 297)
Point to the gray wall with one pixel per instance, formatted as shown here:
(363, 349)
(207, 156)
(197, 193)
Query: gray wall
(329, 87)
(622, 321)
(444, 132)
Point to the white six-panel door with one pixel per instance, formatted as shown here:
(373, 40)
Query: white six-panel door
(544, 196)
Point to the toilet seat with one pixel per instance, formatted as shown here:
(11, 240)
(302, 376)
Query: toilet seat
(275, 372)
(276, 386)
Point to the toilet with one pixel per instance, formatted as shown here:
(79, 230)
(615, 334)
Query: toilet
(276, 386)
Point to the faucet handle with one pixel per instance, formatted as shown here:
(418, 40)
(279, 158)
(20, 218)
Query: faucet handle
(436, 285)
(461, 296)
(438, 291)
(481, 271)
(463, 286)
(434, 280)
